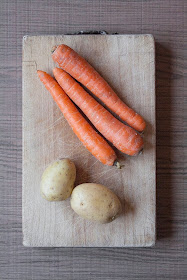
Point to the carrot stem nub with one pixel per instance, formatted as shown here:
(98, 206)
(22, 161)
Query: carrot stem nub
(53, 49)
(117, 164)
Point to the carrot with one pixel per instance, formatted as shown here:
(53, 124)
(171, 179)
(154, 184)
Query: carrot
(83, 72)
(87, 135)
(123, 137)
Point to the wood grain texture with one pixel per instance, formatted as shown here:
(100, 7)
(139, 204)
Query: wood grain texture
(164, 19)
(128, 62)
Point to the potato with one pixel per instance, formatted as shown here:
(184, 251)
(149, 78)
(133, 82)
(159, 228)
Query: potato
(95, 202)
(58, 180)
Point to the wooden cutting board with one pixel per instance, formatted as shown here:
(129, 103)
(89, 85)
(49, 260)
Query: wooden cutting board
(127, 62)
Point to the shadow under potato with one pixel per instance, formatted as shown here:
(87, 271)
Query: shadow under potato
(128, 207)
(82, 175)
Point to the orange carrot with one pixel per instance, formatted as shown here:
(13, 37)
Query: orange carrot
(87, 135)
(83, 72)
(123, 137)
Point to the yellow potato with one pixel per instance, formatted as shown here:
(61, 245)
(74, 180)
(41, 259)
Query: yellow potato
(95, 202)
(58, 180)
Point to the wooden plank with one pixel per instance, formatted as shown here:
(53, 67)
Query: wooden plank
(128, 63)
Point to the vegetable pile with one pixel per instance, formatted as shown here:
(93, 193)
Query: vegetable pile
(91, 201)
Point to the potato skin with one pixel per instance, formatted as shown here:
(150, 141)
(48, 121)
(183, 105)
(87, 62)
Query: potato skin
(58, 180)
(95, 202)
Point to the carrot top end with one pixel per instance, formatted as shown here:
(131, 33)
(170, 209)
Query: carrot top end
(53, 49)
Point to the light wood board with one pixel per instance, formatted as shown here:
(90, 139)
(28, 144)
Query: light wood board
(127, 62)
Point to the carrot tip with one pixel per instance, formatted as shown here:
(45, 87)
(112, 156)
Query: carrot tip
(53, 49)
(117, 164)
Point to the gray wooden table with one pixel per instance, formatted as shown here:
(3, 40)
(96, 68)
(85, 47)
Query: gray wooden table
(166, 21)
